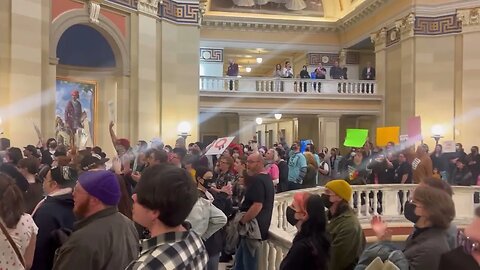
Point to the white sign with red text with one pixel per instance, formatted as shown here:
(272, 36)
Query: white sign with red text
(219, 146)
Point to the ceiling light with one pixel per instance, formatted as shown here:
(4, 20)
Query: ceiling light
(248, 69)
(259, 120)
(278, 116)
(259, 60)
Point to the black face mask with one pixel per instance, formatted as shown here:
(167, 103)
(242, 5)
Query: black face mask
(409, 212)
(291, 216)
(206, 183)
(326, 201)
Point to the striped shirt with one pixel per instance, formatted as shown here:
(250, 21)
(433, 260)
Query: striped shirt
(173, 250)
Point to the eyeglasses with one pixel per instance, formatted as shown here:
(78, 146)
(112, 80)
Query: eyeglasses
(469, 245)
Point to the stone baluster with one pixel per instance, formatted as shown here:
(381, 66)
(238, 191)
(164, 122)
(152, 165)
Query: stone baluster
(271, 256)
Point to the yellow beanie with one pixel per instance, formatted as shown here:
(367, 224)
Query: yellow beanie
(342, 188)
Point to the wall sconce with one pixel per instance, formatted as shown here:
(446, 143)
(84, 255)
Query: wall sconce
(248, 69)
(278, 116)
(259, 120)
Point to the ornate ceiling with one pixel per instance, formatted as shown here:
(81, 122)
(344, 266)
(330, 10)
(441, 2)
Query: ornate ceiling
(312, 10)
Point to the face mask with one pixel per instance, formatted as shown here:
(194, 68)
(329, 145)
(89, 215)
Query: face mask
(409, 212)
(207, 182)
(291, 216)
(326, 201)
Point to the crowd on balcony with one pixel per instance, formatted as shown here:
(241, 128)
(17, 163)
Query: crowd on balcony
(320, 72)
(160, 207)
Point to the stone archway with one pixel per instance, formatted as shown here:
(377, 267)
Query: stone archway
(105, 27)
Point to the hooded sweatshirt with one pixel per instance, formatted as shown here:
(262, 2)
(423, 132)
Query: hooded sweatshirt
(422, 167)
(55, 212)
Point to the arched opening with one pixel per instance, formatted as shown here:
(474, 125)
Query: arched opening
(83, 46)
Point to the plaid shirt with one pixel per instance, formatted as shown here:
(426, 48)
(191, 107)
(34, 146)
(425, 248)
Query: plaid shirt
(182, 250)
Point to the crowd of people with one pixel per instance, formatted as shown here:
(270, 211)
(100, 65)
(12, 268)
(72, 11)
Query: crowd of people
(161, 207)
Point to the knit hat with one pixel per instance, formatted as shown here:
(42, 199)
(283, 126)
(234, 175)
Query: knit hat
(340, 187)
(124, 142)
(102, 185)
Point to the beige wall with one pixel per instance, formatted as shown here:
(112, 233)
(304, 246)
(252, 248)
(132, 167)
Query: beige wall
(393, 86)
(179, 79)
(470, 117)
(221, 125)
(434, 84)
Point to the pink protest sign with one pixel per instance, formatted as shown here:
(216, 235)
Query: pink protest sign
(414, 129)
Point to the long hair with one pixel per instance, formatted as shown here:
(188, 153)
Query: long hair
(314, 230)
(12, 205)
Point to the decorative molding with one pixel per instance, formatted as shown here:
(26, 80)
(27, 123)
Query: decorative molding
(180, 12)
(379, 38)
(406, 26)
(94, 10)
(148, 6)
(352, 58)
(393, 36)
(469, 19)
(229, 23)
(432, 26)
(364, 10)
(211, 55)
(327, 59)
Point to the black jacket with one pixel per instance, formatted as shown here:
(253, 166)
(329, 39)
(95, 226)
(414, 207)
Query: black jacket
(53, 214)
(301, 256)
(457, 259)
(20, 180)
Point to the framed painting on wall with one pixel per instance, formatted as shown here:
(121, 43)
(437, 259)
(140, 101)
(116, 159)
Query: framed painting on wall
(75, 104)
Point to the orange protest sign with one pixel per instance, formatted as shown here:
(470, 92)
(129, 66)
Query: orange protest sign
(387, 134)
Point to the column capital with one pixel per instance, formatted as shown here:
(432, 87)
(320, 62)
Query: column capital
(407, 26)
(149, 7)
(379, 39)
(470, 19)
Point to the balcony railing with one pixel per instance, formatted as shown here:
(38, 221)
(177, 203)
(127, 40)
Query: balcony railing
(234, 84)
(383, 200)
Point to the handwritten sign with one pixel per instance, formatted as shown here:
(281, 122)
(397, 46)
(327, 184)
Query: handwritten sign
(356, 137)
(219, 146)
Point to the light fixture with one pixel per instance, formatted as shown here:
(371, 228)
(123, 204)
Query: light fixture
(184, 129)
(259, 120)
(437, 131)
(278, 116)
(248, 69)
(259, 60)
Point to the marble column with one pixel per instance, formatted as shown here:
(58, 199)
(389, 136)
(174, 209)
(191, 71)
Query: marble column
(146, 70)
(179, 73)
(247, 127)
(21, 54)
(329, 130)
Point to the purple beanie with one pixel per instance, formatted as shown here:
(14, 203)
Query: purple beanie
(102, 185)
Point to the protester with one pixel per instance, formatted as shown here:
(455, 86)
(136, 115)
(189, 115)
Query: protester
(347, 238)
(257, 208)
(310, 247)
(102, 238)
(467, 255)
(54, 215)
(18, 237)
(165, 196)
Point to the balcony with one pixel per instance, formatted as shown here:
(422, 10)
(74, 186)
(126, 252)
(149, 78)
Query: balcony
(288, 86)
(281, 233)
(305, 96)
